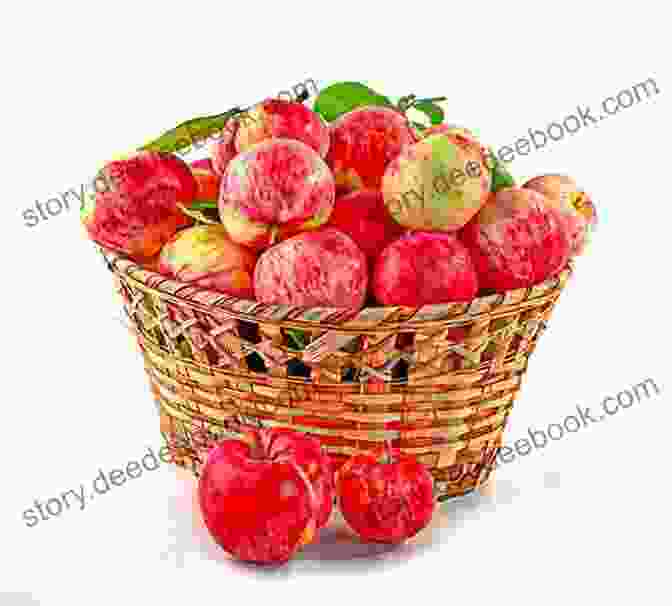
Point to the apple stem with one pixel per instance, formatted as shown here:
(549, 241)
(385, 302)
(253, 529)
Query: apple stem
(274, 234)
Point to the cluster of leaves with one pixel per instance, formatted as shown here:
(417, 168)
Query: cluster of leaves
(343, 97)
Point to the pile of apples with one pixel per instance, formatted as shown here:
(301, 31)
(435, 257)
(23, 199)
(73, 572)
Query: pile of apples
(364, 206)
(265, 496)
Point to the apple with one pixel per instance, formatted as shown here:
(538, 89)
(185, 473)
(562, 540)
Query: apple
(141, 211)
(385, 496)
(307, 451)
(574, 204)
(207, 179)
(518, 239)
(264, 496)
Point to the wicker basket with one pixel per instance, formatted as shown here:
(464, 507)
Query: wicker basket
(437, 381)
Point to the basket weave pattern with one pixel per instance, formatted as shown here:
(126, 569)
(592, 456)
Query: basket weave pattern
(437, 382)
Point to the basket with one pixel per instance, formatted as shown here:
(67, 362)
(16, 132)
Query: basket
(437, 381)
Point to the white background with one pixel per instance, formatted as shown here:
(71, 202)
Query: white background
(586, 519)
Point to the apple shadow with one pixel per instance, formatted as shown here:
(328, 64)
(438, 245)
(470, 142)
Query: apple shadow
(18, 599)
(338, 550)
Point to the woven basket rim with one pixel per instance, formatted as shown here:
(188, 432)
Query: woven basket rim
(209, 301)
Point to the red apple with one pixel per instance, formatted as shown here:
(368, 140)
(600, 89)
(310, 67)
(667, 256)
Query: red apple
(574, 204)
(307, 452)
(385, 496)
(140, 211)
(207, 180)
(224, 148)
(518, 239)
(202, 164)
(274, 190)
(424, 268)
(320, 268)
(263, 497)
(363, 216)
(280, 119)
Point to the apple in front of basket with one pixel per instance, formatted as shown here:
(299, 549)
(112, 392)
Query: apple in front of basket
(385, 495)
(264, 496)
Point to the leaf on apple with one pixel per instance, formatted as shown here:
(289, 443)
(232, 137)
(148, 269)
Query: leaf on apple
(192, 131)
(433, 111)
(500, 177)
(202, 212)
(202, 204)
(342, 97)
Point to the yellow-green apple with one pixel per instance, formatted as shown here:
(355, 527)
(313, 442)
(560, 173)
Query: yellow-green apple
(437, 184)
(204, 255)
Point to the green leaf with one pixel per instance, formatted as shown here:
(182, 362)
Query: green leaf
(201, 204)
(197, 212)
(190, 132)
(342, 97)
(434, 112)
(500, 176)
(298, 337)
